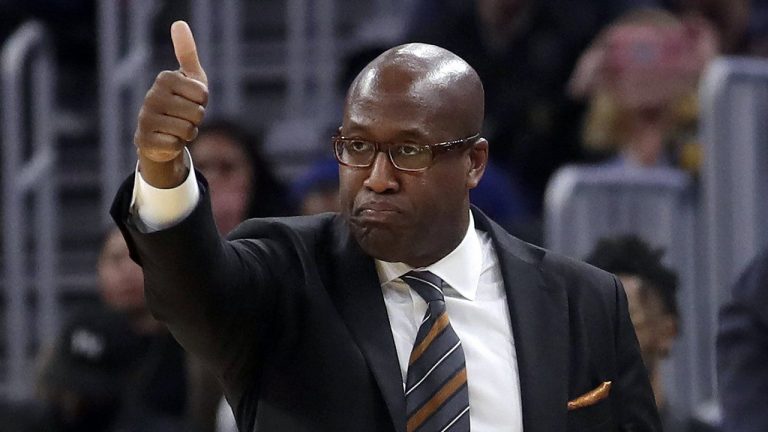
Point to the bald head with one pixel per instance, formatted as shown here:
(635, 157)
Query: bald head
(410, 98)
(446, 85)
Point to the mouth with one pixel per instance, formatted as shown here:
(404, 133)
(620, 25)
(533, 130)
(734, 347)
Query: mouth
(376, 212)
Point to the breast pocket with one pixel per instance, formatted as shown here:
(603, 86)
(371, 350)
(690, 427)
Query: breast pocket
(593, 418)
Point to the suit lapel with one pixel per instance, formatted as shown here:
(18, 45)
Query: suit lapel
(357, 294)
(539, 315)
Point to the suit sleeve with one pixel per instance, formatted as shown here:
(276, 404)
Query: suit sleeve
(210, 293)
(634, 403)
(742, 352)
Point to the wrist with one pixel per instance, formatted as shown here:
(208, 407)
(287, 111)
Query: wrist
(163, 175)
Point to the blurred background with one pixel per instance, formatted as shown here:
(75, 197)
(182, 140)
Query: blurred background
(605, 118)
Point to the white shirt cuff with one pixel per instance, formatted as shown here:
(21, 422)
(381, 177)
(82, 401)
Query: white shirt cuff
(159, 209)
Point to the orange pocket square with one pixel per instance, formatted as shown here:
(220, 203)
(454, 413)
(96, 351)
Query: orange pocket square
(590, 398)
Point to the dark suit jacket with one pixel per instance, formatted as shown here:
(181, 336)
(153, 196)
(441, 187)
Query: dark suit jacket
(290, 315)
(742, 351)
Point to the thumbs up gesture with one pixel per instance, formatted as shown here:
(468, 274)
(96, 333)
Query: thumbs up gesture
(173, 109)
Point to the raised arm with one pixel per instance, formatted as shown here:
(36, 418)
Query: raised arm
(206, 290)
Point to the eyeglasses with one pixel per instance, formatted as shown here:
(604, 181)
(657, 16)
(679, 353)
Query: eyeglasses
(360, 153)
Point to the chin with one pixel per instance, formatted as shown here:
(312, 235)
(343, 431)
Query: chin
(382, 245)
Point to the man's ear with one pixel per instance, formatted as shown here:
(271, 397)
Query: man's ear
(478, 157)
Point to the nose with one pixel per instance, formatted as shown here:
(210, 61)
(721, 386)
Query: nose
(382, 177)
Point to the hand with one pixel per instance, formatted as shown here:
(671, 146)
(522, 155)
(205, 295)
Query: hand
(172, 111)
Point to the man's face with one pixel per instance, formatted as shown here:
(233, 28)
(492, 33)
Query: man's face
(411, 217)
(655, 328)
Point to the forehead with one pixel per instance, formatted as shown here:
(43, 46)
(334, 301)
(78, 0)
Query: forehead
(386, 115)
(398, 100)
(216, 145)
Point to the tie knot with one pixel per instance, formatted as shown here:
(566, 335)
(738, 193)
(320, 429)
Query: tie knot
(426, 284)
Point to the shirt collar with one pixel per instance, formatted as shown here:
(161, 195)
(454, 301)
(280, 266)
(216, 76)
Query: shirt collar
(460, 269)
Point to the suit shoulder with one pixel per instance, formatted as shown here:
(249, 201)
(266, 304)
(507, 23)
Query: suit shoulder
(576, 277)
(565, 270)
(577, 272)
(558, 270)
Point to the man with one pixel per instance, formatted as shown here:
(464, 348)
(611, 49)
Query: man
(318, 323)
(742, 351)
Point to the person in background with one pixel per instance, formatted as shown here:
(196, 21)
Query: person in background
(84, 378)
(121, 285)
(317, 191)
(640, 77)
(742, 351)
(524, 51)
(80, 379)
(651, 289)
(237, 173)
(155, 399)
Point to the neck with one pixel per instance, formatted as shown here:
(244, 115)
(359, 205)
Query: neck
(451, 241)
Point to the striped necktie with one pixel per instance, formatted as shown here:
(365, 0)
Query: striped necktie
(436, 395)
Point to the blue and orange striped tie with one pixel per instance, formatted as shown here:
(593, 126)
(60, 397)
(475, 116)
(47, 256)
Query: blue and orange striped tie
(436, 395)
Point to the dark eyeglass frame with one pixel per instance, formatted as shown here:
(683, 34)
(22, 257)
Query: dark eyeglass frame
(434, 150)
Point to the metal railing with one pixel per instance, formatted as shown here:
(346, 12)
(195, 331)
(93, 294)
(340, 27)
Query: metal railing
(123, 84)
(734, 105)
(218, 34)
(27, 55)
(734, 100)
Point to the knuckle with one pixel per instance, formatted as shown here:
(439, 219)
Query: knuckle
(199, 114)
(189, 132)
(141, 140)
(144, 116)
(165, 77)
(152, 100)
(193, 134)
(161, 154)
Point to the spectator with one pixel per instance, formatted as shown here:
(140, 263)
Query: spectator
(650, 288)
(237, 173)
(651, 292)
(156, 397)
(317, 191)
(730, 18)
(121, 284)
(742, 351)
(523, 51)
(502, 199)
(83, 380)
(640, 76)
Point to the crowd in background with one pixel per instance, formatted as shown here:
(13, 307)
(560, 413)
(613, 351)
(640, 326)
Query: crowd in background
(614, 83)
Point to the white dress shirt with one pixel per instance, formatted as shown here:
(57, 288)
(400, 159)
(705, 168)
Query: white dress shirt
(476, 304)
(475, 300)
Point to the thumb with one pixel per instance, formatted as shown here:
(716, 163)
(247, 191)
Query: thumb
(186, 52)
